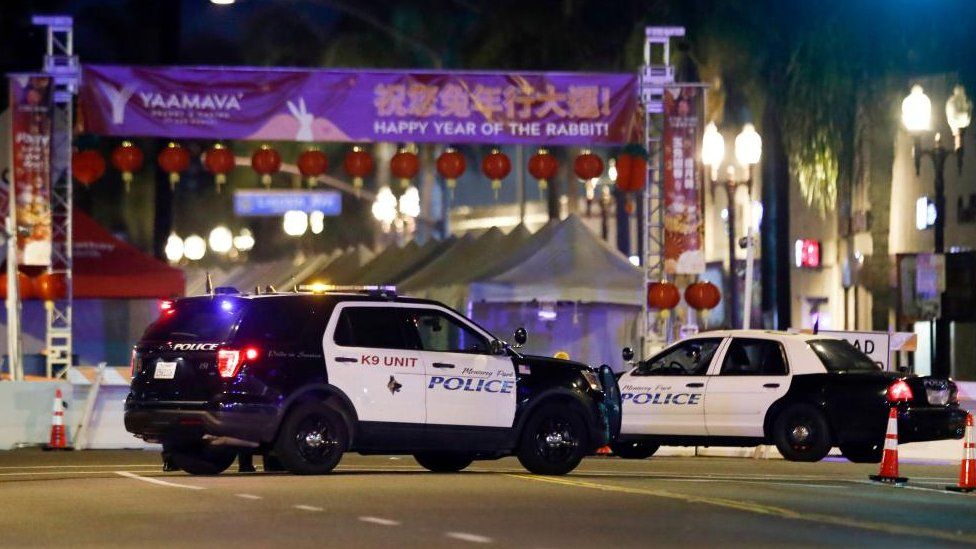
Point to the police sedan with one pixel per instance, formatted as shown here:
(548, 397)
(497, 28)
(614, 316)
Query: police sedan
(804, 393)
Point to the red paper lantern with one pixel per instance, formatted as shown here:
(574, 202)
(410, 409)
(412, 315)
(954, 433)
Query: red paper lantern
(51, 286)
(587, 166)
(662, 295)
(632, 169)
(404, 165)
(358, 164)
(87, 166)
(702, 295)
(173, 160)
(496, 166)
(312, 163)
(543, 166)
(219, 161)
(24, 283)
(266, 161)
(127, 158)
(451, 165)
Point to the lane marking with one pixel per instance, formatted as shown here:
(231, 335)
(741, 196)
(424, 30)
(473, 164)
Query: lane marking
(247, 496)
(380, 521)
(464, 536)
(307, 508)
(51, 473)
(907, 487)
(92, 466)
(762, 509)
(157, 482)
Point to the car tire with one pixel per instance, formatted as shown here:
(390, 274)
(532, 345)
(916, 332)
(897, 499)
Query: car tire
(443, 462)
(801, 433)
(553, 441)
(201, 459)
(862, 452)
(634, 450)
(312, 439)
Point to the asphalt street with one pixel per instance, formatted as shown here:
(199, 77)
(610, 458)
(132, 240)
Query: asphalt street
(122, 498)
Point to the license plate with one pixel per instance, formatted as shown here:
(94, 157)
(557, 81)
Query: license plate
(165, 370)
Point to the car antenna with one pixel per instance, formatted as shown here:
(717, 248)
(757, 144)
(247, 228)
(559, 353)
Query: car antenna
(269, 289)
(210, 286)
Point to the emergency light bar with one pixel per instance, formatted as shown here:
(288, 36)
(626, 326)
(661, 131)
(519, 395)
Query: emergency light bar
(356, 288)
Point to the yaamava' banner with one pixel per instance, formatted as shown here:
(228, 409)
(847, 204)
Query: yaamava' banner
(352, 105)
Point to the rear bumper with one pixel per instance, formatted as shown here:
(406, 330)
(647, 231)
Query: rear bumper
(163, 422)
(935, 423)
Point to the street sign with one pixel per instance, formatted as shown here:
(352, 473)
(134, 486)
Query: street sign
(257, 202)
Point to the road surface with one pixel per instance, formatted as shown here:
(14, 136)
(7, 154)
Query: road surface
(122, 498)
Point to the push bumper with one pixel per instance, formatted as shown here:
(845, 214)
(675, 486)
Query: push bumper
(931, 423)
(163, 421)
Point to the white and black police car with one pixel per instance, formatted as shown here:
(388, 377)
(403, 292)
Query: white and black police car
(306, 376)
(805, 393)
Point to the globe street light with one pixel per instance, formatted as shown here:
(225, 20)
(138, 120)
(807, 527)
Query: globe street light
(748, 150)
(916, 114)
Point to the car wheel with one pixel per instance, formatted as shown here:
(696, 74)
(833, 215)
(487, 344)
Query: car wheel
(312, 439)
(554, 441)
(863, 452)
(201, 459)
(801, 433)
(443, 462)
(634, 450)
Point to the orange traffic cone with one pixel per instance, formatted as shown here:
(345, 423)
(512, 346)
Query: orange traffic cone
(604, 451)
(59, 439)
(889, 460)
(967, 469)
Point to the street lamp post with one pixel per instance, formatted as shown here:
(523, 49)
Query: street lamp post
(916, 113)
(748, 150)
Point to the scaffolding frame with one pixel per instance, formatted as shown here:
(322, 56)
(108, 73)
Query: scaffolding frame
(63, 66)
(655, 75)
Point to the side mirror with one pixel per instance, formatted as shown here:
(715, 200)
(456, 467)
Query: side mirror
(497, 347)
(628, 354)
(520, 337)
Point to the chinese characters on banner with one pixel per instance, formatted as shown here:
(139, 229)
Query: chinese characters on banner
(345, 105)
(683, 253)
(31, 124)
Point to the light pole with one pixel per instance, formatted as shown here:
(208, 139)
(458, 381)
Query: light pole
(748, 150)
(916, 115)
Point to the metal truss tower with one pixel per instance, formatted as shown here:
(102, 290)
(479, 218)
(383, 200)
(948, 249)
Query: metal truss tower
(656, 74)
(62, 65)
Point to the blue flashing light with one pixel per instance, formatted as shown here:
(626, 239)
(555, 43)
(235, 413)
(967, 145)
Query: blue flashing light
(226, 305)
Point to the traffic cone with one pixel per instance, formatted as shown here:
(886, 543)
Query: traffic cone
(59, 439)
(967, 469)
(889, 459)
(604, 451)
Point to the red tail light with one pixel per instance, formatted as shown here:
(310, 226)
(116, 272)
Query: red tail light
(229, 361)
(899, 391)
(166, 305)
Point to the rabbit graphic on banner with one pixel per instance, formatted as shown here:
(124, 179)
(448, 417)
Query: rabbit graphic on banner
(304, 118)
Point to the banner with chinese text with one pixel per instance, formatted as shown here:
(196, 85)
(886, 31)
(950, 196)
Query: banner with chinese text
(348, 105)
(683, 242)
(31, 125)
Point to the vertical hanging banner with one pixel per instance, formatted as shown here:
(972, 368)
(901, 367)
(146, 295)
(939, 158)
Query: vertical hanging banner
(683, 243)
(31, 125)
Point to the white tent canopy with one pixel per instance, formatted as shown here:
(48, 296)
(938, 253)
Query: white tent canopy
(565, 262)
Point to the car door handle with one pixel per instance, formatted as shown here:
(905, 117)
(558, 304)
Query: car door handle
(442, 365)
(345, 359)
(771, 385)
(694, 385)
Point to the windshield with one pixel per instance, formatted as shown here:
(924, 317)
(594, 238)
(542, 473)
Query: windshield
(204, 321)
(840, 356)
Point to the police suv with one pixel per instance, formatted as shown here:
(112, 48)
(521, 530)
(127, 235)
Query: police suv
(304, 377)
(805, 393)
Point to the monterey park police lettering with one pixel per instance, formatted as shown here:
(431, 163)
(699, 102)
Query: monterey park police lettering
(661, 395)
(470, 384)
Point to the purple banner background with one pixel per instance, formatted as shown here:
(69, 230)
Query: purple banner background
(339, 105)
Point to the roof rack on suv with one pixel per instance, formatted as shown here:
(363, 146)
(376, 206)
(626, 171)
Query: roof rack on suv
(318, 288)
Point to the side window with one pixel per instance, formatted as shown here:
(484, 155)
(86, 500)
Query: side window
(374, 327)
(757, 357)
(438, 331)
(690, 358)
(274, 320)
